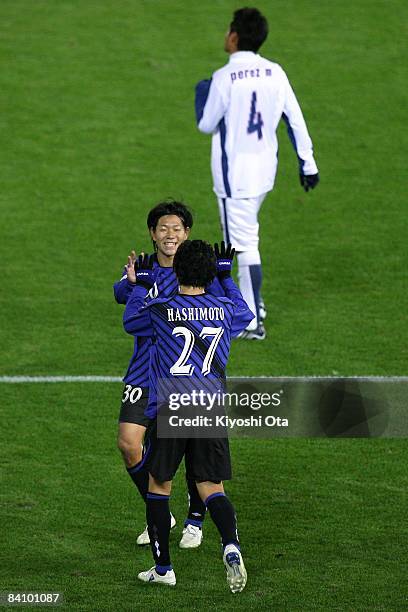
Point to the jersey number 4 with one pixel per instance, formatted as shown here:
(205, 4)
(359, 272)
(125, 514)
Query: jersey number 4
(255, 122)
(181, 367)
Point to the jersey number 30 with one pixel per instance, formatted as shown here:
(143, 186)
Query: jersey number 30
(181, 367)
(255, 122)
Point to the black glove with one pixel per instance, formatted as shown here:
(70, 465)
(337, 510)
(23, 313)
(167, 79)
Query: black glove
(309, 181)
(224, 259)
(144, 271)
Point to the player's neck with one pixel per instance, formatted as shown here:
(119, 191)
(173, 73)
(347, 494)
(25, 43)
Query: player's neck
(165, 261)
(188, 290)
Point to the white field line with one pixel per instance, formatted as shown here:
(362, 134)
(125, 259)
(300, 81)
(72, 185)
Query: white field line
(117, 379)
(58, 379)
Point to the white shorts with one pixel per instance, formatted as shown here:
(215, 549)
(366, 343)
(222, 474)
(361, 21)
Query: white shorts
(239, 221)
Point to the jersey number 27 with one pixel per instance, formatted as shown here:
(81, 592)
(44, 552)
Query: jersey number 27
(181, 367)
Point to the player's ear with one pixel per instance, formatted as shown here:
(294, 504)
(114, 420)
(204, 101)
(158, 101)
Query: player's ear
(152, 233)
(187, 231)
(231, 42)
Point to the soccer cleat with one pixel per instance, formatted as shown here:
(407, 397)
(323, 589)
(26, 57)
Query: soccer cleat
(143, 539)
(153, 577)
(236, 572)
(192, 537)
(262, 311)
(256, 334)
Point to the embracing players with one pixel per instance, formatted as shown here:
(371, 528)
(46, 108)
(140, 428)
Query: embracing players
(169, 225)
(198, 343)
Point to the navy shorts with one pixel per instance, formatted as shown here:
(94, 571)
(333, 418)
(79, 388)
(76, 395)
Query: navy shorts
(205, 458)
(133, 406)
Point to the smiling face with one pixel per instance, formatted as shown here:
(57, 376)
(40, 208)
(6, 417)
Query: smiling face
(168, 235)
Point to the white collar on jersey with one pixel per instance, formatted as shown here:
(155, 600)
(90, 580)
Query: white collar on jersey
(242, 56)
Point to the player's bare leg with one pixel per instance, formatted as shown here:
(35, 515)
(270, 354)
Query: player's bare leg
(130, 443)
(223, 514)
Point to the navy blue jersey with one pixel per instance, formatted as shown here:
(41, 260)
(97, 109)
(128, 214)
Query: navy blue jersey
(165, 285)
(193, 332)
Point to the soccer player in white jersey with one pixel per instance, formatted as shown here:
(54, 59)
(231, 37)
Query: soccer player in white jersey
(241, 106)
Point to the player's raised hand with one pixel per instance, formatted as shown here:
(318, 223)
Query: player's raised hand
(309, 181)
(224, 256)
(130, 267)
(143, 268)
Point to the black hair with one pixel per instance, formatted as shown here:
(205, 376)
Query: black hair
(169, 207)
(194, 263)
(251, 27)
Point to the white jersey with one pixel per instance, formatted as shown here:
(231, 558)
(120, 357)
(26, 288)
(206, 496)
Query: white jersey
(246, 100)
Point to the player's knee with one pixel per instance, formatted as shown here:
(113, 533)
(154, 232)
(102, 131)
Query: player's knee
(130, 451)
(158, 486)
(208, 487)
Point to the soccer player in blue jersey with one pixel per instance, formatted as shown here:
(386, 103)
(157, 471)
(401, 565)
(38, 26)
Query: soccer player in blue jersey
(193, 332)
(241, 106)
(169, 224)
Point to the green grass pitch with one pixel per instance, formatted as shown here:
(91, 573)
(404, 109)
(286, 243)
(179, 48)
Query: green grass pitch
(97, 125)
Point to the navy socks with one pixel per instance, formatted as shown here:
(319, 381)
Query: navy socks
(197, 508)
(158, 524)
(223, 514)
